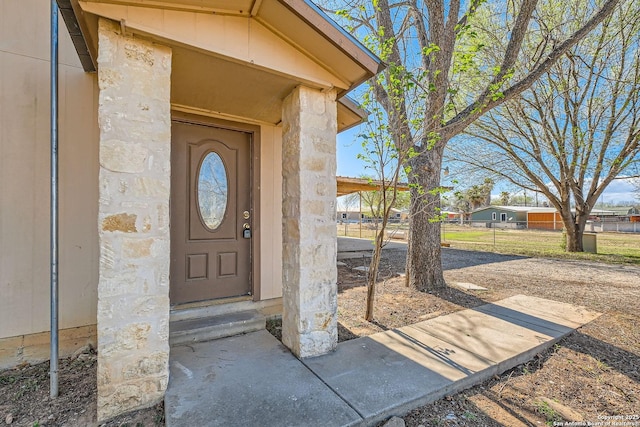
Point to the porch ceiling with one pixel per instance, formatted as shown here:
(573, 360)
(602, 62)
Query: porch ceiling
(238, 57)
(213, 84)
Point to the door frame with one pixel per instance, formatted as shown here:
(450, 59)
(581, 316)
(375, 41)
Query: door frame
(254, 179)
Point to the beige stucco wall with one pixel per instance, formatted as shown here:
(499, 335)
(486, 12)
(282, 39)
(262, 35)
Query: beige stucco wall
(24, 180)
(271, 212)
(24, 175)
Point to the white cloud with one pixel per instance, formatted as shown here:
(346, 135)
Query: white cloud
(621, 190)
(618, 191)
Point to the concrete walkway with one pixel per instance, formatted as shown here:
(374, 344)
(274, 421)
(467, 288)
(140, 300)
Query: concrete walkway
(253, 379)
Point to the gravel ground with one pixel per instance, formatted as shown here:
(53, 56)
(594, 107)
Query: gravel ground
(590, 375)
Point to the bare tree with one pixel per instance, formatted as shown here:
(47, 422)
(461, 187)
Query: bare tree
(386, 159)
(434, 88)
(576, 130)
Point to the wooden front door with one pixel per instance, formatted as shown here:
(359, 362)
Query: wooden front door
(210, 213)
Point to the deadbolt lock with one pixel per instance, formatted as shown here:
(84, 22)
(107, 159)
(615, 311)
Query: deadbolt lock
(246, 215)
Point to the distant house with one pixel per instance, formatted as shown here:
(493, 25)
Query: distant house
(355, 215)
(451, 216)
(619, 219)
(606, 215)
(541, 218)
(398, 215)
(500, 217)
(350, 216)
(544, 218)
(617, 213)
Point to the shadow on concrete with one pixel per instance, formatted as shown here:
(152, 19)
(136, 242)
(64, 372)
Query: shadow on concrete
(439, 354)
(379, 325)
(377, 379)
(621, 360)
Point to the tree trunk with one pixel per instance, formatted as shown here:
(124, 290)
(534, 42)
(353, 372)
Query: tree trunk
(372, 276)
(574, 240)
(424, 266)
(575, 230)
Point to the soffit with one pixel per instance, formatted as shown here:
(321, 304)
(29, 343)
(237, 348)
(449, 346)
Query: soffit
(221, 7)
(232, 89)
(305, 26)
(348, 185)
(297, 23)
(213, 84)
(241, 58)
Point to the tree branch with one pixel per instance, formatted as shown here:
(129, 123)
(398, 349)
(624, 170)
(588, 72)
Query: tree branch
(458, 123)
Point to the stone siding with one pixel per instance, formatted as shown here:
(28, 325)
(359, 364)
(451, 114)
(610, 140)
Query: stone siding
(309, 326)
(133, 289)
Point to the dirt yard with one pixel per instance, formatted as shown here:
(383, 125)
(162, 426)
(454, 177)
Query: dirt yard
(589, 377)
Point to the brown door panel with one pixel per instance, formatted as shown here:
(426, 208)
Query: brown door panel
(211, 190)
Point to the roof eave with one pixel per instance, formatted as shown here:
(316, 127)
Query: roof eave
(77, 37)
(338, 36)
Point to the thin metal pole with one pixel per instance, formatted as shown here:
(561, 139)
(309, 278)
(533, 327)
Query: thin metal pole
(494, 234)
(360, 194)
(53, 372)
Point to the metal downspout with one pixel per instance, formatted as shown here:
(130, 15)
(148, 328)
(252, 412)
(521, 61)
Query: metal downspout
(53, 371)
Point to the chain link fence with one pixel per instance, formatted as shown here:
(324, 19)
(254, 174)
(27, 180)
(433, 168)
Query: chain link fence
(516, 236)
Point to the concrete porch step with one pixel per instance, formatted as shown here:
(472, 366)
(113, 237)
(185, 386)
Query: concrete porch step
(209, 328)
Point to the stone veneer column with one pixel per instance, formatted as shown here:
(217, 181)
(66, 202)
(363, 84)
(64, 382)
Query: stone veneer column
(133, 288)
(309, 324)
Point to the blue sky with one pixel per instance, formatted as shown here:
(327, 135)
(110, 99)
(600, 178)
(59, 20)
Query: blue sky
(620, 190)
(348, 150)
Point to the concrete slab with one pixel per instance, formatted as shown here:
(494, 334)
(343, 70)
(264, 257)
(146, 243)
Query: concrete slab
(493, 339)
(390, 373)
(469, 286)
(246, 380)
(534, 309)
(253, 380)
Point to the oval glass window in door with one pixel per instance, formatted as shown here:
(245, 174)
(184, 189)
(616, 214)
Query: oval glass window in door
(212, 190)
